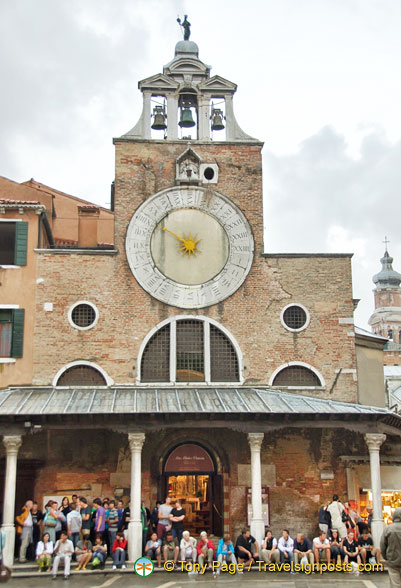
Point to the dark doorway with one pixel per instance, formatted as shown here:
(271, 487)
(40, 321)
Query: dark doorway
(189, 475)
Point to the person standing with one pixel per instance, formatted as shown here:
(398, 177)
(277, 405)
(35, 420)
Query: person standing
(113, 523)
(336, 510)
(154, 517)
(177, 517)
(390, 546)
(85, 511)
(324, 518)
(25, 529)
(37, 517)
(145, 516)
(50, 520)
(74, 524)
(164, 522)
(100, 519)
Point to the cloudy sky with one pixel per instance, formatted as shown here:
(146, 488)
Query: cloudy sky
(318, 82)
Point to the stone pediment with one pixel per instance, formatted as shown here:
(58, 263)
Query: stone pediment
(185, 65)
(158, 82)
(218, 84)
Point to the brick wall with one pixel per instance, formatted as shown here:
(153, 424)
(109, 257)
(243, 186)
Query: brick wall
(252, 314)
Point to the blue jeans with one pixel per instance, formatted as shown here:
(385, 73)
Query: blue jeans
(101, 555)
(288, 559)
(119, 557)
(177, 533)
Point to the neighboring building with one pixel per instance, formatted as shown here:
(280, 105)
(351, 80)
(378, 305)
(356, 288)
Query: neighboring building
(35, 217)
(185, 360)
(386, 319)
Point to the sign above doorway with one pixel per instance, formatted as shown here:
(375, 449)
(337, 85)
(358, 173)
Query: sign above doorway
(189, 458)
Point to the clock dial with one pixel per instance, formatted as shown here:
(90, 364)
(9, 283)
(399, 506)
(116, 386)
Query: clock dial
(189, 247)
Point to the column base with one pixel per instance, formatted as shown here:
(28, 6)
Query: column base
(134, 540)
(258, 530)
(377, 531)
(9, 531)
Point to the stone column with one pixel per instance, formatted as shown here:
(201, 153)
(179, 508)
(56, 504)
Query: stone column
(257, 525)
(12, 443)
(352, 488)
(136, 441)
(374, 442)
(172, 116)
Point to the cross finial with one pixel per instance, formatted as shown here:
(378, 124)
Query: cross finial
(385, 242)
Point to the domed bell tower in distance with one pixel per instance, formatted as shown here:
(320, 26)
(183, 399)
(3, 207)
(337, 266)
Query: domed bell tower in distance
(187, 141)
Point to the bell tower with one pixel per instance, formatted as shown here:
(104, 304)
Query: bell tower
(184, 102)
(386, 319)
(188, 189)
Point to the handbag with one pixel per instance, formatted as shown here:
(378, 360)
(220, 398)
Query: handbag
(49, 520)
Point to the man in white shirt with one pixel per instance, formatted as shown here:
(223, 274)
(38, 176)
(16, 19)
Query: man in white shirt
(74, 524)
(321, 545)
(286, 547)
(63, 551)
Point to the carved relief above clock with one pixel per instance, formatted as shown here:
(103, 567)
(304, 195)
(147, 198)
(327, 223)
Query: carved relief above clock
(189, 247)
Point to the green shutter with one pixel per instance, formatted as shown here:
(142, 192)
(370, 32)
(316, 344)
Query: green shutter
(21, 242)
(17, 341)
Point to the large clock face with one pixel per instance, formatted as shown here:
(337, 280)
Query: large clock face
(189, 247)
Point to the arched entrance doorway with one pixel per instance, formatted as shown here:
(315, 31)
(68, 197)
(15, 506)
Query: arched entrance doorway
(190, 475)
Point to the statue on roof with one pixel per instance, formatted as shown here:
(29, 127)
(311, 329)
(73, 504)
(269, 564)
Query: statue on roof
(186, 25)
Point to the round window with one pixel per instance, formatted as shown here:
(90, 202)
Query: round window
(295, 317)
(83, 315)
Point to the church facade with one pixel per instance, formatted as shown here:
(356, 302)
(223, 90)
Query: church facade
(184, 360)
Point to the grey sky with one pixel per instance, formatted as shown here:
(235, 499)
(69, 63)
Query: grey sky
(318, 81)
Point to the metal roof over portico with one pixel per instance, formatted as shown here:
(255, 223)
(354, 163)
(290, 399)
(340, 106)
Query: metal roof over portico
(29, 401)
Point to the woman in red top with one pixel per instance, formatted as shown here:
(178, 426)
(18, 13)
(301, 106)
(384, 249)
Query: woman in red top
(205, 549)
(118, 550)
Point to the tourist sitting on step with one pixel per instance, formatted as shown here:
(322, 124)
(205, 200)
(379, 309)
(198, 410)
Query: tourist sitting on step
(44, 553)
(83, 552)
(63, 551)
(350, 548)
(153, 549)
(270, 552)
(337, 553)
(225, 552)
(171, 548)
(99, 551)
(322, 548)
(205, 549)
(188, 547)
(118, 551)
(246, 548)
(366, 548)
(286, 547)
(303, 548)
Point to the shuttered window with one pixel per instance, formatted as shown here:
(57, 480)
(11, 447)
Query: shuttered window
(13, 243)
(11, 332)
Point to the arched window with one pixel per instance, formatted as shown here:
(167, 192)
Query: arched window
(81, 375)
(296, 376)
(184, 349)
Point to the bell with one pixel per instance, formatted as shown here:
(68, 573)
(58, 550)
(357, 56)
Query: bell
(217, 120)
(159, 120)
(186, 118)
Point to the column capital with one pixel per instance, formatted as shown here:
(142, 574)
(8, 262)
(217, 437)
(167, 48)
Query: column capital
(12, 443)
(255, 441)
(136, 441)
(374, 440)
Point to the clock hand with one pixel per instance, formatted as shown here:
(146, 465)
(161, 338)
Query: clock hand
(174, 235)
